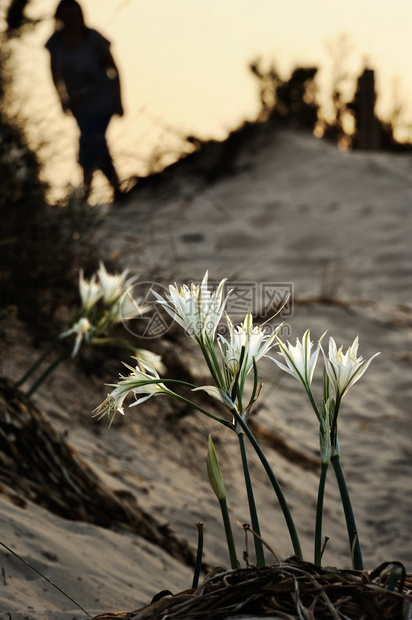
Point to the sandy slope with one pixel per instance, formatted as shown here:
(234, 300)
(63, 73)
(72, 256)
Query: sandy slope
(294, 207)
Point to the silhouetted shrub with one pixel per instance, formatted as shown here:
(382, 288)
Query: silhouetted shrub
(291, 102)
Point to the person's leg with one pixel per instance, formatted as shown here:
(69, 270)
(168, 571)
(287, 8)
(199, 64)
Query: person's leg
(105, 159)
(87, 152)
(87, 182)
(93, 151)
(109, 171)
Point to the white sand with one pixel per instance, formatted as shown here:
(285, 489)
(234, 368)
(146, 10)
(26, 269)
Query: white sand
(295, 206)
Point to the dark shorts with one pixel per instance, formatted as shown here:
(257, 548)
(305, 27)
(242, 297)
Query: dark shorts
(93, 150)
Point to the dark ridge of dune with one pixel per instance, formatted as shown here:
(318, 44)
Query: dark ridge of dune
(38, 464)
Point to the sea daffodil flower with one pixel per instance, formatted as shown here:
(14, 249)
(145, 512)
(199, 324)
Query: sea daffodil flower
(90, 291)
(344, 369)
(300, 361)
(112, 284)
(83, 330)
(146, 382)
(196, 309)
(247, 343)
(151, 359)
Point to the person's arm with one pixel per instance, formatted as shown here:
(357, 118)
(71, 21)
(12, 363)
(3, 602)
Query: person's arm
(60, 87)
(113, 74)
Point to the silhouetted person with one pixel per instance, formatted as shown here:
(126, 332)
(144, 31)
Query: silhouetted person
(87, 81)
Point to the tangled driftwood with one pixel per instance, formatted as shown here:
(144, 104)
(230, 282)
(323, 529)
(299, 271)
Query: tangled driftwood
(293, 590)
(38, 464)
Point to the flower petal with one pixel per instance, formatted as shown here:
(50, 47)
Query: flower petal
(344, 369)
(196, 309)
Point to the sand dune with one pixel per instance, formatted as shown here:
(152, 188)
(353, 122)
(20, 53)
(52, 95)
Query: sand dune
(294, 211)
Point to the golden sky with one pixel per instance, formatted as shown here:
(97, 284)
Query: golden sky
(184, 63)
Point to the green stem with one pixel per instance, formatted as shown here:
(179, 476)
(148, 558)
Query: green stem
(46, 373)
(235, 393)
(312, 401)
(229, 534)
(319, 515)
(255, 385)
(349, 516)
(213, 365)
(334, 425)
(198, 407)
(221, 381)
(39, 361)
(275, 484)
(199, 554)
(187, 401)
(113, 342)
(260, 556)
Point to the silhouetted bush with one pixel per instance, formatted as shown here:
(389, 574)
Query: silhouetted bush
(291, 102)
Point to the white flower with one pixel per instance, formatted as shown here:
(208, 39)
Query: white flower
(246, 337)
(300, 361)
(125, 308)
(150, 358)
(90, 291)
(82, 329)
(112, 284)
(138, 382)
(196, 309)
(344, 369)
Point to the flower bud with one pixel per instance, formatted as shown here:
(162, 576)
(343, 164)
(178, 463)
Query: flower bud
(214, 472)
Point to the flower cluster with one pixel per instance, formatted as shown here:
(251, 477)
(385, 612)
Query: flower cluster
(196, 309)
(105, 301)
(341, 371)
(246, 345)
(230, 360)
(143, 382)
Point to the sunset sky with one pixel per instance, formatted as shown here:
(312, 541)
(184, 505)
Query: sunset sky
(184, 63)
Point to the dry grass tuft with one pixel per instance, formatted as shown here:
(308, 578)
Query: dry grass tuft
(289, 591)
